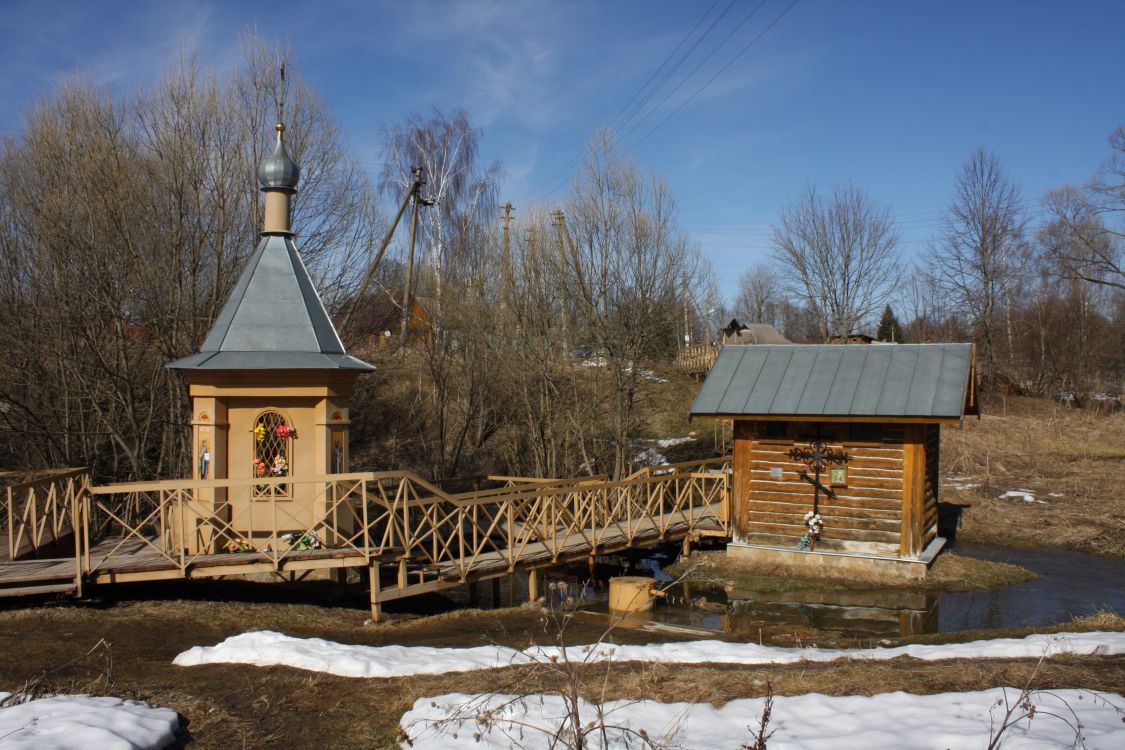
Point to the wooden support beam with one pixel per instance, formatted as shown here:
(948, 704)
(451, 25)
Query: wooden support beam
(376, 589)
(533, 585)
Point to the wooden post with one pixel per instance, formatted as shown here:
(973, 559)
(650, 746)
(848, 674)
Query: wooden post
(511, 589)
(913, 489)
(686, 550)
(533, 585)
(376, 607)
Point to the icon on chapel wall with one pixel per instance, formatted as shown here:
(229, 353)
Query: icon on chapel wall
(204, 460)
(338, 455)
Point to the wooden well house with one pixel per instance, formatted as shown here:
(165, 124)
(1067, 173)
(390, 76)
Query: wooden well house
(269, 387)
(847, 434)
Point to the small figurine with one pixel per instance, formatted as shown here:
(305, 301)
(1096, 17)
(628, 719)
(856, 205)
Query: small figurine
(204, 460)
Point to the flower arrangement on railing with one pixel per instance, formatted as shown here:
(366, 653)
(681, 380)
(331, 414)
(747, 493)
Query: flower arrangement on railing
(300, 541)
(238, 544)
(813, 524)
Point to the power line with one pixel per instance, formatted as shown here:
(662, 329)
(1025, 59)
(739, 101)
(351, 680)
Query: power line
(563, 173)
(696, 69)
(719, 72)
(673, 54)
(556, 185)
(683, 58)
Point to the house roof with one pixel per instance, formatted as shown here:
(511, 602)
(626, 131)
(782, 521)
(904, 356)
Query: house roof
(274, 319)
(926, 381)
(757, 333)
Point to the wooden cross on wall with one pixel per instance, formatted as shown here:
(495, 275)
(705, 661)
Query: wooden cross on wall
(818, 457)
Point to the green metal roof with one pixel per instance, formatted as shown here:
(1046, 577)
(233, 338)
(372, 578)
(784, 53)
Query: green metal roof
(274, 319)
(833, 380)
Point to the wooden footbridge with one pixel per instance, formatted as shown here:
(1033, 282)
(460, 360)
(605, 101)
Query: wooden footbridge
(63, 534)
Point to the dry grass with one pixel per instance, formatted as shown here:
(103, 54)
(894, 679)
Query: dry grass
(950, 572)
(233, 706)
(1036, 445)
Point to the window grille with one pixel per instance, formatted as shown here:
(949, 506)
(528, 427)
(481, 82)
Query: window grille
(273, 444)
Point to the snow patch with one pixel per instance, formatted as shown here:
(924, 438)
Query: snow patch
(650, 457)
(891, 721)
(1026, 495)
(960, 483)
(64, 722)
(673, 442)
(265, 648)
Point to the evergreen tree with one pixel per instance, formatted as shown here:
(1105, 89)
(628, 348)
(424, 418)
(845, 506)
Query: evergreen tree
(889, 329)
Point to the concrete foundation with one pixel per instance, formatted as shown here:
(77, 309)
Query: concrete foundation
(833, 563)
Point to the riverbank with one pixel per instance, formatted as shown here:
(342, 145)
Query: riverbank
(126, 649)
(949, 573)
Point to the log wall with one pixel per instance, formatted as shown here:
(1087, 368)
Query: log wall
(889, 505)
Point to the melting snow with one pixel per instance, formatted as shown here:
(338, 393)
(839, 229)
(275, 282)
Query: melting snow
(891, 721)
(266, 648)
(960, 483)
(672, 442)
(81, 721)
(650, 457)
(1026, 495)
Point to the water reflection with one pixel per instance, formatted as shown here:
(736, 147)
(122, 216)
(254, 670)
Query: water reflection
(1071, 585)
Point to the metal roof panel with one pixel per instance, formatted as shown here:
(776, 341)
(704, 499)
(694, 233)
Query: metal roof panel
(775, 363)
(791, 384)
(893, 380)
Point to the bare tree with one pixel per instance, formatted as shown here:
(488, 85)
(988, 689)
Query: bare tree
(462, 191)
(839, 254)
(977, 259)
(759, 295)
(1082, 237)
(125, 222)
(627, 264)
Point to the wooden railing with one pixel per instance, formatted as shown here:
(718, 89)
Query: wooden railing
(176, 527)
(38, 512)
(375, 515)
(696, 360)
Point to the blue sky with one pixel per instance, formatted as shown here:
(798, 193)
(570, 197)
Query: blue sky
(890, 95)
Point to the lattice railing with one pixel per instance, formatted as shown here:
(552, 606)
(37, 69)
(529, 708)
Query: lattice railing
(39, 513)
(376, 517)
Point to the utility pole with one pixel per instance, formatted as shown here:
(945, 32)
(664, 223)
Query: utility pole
(686, 342)
(411, 192)
(506, 270)
(419, 180)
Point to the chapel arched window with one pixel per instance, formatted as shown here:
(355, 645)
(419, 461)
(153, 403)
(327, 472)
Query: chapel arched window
(273, 450)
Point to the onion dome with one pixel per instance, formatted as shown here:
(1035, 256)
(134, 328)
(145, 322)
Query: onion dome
(278, 170)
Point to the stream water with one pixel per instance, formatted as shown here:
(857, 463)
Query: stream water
(1071, 585)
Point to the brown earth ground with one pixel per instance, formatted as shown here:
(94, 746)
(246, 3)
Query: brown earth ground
(126, 649)
(1043, 447)
(124, 644)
